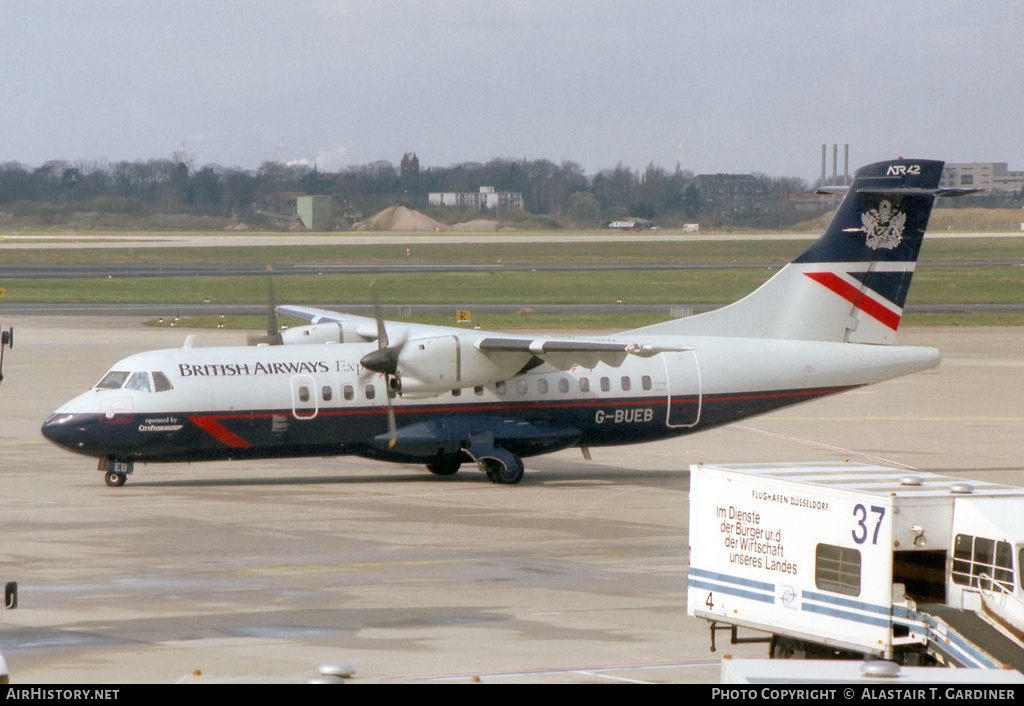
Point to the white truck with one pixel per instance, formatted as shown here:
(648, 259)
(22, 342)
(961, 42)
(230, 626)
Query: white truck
(850, 560)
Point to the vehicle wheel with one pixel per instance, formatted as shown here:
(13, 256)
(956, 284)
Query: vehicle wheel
(115, 480)
(447, 467)
(786, 648)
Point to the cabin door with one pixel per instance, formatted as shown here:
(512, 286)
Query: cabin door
(684, 389)
(304, 399)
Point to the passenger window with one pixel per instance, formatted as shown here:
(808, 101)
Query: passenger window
(370, 392)
(303, 393)
(606, 384)
(499, 387)
(326, 393)
(521, 387)
(161, 383)
(348, 392)
(563, 385)
(112, 380)
(478, 391)
(456, 392)
(645, 382)
(627, 384)
(138, 382)
(584, 384)
(542, 386)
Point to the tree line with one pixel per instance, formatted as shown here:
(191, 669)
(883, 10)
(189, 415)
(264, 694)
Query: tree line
(563, 192)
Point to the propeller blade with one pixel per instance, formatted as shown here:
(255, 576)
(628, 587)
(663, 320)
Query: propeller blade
(273, 335)
(392, 424)
(272, 327)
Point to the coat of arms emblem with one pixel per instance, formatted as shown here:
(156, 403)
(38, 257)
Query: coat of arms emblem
(884, 226)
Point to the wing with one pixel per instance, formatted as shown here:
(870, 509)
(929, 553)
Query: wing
(433, 359)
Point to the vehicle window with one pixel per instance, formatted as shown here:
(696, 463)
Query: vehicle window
(606, 384)
(139, 382)
(563, 385)
(499, 387)
(327, 393)
(303, 393)
(627, 384)
(584, 384)
(113, 380)
(478, 390)
(521, 386)
(349, 392)
(978, 561)
(645, 382)
(542, 386)
(837, 569)
(370, 392)
(160, 382)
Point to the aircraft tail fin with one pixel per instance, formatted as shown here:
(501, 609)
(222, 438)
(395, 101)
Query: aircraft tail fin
(851, 284)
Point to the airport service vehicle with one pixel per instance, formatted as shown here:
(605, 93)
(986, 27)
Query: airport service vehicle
(10, 603)
(442, 396)
(850, 560)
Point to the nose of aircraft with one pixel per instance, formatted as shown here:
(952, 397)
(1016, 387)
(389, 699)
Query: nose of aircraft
(60, 429)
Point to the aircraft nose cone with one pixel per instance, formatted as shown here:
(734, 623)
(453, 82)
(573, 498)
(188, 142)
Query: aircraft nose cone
(60, 429)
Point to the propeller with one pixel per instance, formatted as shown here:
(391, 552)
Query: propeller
(384, 360)
(273, 335)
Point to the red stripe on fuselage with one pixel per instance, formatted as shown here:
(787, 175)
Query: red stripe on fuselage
(219, 432)
(858, 298)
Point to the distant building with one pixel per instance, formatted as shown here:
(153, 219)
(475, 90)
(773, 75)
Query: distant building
(410, 165)
(630, 224)
(314, 211)
(732, 194)
(487, 199)
(981, 175)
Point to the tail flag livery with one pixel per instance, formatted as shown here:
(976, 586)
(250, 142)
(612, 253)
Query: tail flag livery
(851, 284)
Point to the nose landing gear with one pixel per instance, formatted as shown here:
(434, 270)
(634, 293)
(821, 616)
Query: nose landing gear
(115, 472)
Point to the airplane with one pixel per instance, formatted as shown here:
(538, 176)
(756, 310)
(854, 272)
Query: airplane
(440, 396)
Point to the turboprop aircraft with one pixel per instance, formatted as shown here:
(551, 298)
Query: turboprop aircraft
(443, 396)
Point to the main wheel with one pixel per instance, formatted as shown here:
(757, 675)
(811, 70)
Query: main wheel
(115, 480)
(445, 467)
(505, 469)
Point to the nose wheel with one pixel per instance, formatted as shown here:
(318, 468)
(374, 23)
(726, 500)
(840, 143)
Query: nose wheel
(115, 480)
(115, 472)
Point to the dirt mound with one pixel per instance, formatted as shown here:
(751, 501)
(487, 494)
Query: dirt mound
(478, 225)
(398, 218)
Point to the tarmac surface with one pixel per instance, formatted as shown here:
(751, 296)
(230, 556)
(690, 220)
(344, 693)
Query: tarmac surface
(258, 572)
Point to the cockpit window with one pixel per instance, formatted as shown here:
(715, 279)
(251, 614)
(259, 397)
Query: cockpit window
(139, 382)
(160, 382)
(113, 380)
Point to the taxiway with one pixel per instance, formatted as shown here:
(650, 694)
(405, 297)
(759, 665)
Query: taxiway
(258, 572)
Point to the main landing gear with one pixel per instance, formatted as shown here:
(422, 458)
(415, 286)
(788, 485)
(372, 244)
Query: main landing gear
(501, 466)
(115, 472)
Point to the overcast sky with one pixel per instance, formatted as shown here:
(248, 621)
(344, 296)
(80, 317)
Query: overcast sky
(739, 86)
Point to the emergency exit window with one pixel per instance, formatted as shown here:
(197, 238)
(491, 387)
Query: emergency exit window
(837, 569)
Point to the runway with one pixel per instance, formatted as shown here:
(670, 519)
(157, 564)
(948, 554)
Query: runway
(258, 572)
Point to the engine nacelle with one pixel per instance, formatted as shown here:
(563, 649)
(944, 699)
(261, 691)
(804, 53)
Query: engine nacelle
(320, 333)
(431, 366)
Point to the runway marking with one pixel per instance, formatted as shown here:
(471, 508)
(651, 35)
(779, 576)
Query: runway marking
(829, 447)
